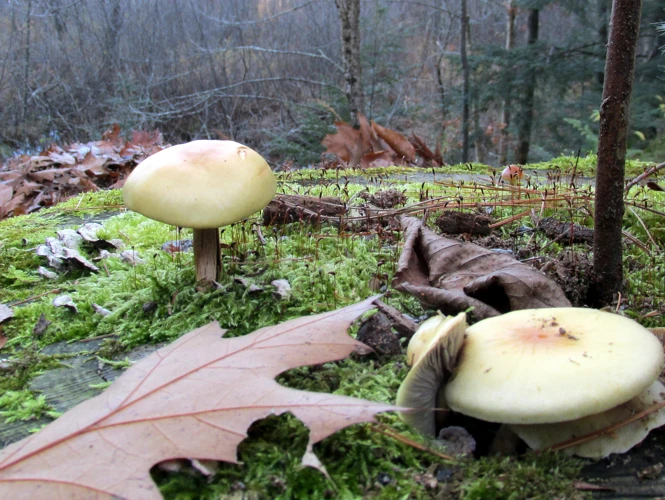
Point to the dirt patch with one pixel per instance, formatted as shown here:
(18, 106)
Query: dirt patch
(573, 272)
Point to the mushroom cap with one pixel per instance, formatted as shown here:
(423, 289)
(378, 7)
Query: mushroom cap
(422, 337)
(539, 436)
(512, 174)
(200, 184)
(422, 387)
(551, 365)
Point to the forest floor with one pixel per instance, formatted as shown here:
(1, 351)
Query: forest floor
(55, 357)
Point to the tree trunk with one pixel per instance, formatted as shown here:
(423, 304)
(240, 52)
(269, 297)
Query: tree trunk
(27, 63)
(614, 115)
(110, 65)
(603, 7)
(505, 112)
(442, 94)
(526, 118)
(465, 85)
(349, 16)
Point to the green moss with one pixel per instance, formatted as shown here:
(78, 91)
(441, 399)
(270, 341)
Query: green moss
(327, 268)
(535, 476)
(24, 405)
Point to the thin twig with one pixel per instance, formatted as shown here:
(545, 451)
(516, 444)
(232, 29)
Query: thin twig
(510, 219)
(606, 430)
(636, 242)
(645, 228)
(35, 297)
(390, 432)
(646, 174)
(106, 335)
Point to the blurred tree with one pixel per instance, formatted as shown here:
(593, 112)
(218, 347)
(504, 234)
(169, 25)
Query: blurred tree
(349, 16)
(464, 26)
(507, 101)
(527, 101)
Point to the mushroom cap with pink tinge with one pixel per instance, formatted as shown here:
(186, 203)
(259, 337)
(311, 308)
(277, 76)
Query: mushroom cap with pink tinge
(201, 184)
(551, 365)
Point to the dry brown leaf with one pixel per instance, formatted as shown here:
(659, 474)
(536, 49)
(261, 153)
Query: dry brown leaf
(453, 276)
(396, 141)
(6, 193)
(377, 159)
(194, 398)
(32, 182)
(3, 341)
(346, 143)
(433, 158)
(370, 140)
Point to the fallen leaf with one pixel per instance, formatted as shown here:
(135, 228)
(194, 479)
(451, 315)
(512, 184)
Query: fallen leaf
(346, 144)
(194, 398)
(396, 141)
(3, 341)
(375, 159)
(6, 194)
(28, 183)
(432, 158)
(453, 276)
(65, 301)
(370, 140)
(282, 289)
(6, 313)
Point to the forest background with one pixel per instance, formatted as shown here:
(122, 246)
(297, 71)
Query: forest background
(271, 74)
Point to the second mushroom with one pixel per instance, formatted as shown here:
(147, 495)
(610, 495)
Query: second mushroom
(552, 375)
(202, 185)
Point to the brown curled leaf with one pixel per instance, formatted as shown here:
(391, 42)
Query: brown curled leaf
(452, 276)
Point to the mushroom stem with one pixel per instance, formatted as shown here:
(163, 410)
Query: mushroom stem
(207, 254)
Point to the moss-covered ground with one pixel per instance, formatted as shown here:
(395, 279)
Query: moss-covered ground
(326, 268)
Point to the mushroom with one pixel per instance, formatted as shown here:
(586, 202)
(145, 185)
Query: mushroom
(203, 185)
(549, 374)
(512, 174)
(538, 366)
(433, 351)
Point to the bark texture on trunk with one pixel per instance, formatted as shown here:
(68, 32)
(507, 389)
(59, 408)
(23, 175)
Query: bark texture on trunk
(614, 116)
(465, 84)
(505, 112)
(526, 118)
(603, 8)
(207, 258)
(349, 16)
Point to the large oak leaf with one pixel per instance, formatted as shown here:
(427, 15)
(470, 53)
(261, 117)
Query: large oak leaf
(453, 276)
(194, 398)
